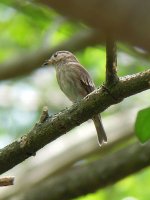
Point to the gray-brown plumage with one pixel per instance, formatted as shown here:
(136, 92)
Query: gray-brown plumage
(75, 82)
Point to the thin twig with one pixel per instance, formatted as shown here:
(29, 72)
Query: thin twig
(6, 181)
(111, 62)
(44, 115)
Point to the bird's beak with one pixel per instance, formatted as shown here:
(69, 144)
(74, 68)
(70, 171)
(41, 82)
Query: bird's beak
(47, 62)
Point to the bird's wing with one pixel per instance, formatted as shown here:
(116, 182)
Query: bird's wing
(83, 76)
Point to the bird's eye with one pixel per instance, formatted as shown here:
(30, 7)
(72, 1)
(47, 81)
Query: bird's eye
(55, 55)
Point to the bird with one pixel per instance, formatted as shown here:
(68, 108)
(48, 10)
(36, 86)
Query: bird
(76, 83)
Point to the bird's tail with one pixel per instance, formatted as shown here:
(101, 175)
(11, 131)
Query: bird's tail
(102, 138)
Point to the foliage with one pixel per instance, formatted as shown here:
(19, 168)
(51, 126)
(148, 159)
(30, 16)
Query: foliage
(142, 125)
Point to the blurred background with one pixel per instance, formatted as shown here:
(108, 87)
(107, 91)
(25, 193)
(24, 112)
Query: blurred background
(29, 33)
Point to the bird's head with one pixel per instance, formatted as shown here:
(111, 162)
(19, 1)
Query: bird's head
(61, 58)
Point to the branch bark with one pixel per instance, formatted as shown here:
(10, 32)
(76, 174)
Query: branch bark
(93, 176)
(57, 125)
(111, 62)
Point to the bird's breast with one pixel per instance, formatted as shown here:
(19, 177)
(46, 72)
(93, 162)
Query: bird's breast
(69, 83)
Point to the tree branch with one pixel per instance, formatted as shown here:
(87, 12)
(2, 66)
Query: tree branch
(57, 125)
(33, 60)
(99, 174)
(96, 175)
(116, 20)
(119, 17)
(111, 62)
(77, 148)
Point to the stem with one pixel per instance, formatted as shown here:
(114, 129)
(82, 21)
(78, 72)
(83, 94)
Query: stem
(111, 62)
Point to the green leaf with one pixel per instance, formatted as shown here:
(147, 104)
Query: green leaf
(142, 125)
